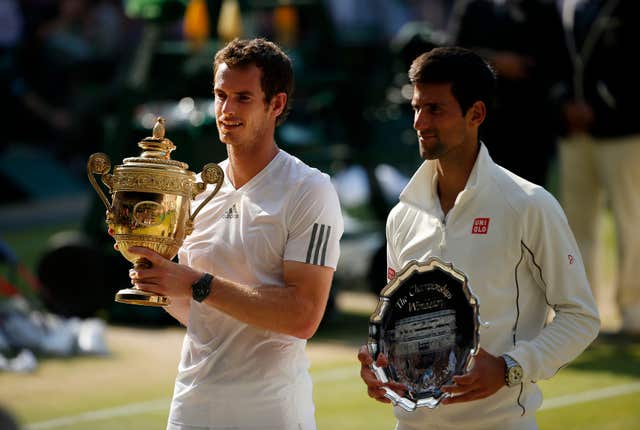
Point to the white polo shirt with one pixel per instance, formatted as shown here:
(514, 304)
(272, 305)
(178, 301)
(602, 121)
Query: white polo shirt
(513, 241)
(231, 374)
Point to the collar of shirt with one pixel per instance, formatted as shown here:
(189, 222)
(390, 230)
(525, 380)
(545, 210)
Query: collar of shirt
(422, 191)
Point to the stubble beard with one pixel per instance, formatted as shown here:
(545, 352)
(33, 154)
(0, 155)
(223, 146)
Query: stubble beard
(241, 143)
(433, 151)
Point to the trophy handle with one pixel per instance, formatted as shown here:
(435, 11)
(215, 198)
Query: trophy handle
(211, 174)
(99, 163)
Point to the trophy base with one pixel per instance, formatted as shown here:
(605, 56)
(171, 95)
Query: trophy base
(134, 296)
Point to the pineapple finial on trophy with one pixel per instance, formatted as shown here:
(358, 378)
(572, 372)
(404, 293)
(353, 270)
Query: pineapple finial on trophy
(158, 129)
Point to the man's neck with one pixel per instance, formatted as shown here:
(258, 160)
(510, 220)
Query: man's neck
(453, 175)
(246, 162)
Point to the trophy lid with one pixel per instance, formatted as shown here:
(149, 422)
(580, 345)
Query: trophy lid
(156, 149)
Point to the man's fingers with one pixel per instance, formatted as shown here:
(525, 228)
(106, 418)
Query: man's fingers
(378, 394)
(147, 287)
(150, 255)
(466, 379)
(455, 389)
(382, 361)
(154, 281)
(397, 387)
(368, 377)
(152, 275)
(465, 397)
(364, 357)
(374, 386)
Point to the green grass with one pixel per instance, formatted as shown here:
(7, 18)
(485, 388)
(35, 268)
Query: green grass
(608, 362)
(142, 366)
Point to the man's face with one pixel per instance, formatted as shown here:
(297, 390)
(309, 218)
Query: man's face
(439, 121)
(242, 115)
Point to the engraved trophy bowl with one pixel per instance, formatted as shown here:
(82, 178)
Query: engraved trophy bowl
(150, 203)
(426, 324)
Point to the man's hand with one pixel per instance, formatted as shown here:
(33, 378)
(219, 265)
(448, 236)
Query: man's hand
(164, 277)
(374, 387)
(485, 378)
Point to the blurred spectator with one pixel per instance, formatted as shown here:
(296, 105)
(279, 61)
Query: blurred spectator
(437, 13)
(16, 91)
(520, 38)
(60, 72)
(363, 31)
(600, 151)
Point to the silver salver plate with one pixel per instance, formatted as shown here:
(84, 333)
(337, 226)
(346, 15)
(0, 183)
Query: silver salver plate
(426, 324)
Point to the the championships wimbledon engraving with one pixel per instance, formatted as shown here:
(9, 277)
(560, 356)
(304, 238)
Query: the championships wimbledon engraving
(426, 324)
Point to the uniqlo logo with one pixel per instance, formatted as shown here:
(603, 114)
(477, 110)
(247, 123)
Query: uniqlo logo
(391, 273)
(480, 226)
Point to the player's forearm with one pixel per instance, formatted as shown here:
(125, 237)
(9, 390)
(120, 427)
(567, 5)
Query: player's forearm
(179, 309)
(278, 309)
(561, 341)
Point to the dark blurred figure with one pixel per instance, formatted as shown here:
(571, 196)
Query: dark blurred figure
(27, 103)
(363, 31)
(7, 421)
(64, 68)
(600, 151)
(522, 40)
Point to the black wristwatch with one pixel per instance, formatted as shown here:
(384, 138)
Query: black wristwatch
(513, 371)
(202, 287)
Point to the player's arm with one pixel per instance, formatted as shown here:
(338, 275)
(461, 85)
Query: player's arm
(179, 309)
(295, 309)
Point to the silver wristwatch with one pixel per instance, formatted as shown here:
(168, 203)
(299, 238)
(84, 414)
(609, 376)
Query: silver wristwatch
(513, 371)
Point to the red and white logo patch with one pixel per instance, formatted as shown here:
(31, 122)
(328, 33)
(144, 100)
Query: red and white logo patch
(390, 273)
(480, 226)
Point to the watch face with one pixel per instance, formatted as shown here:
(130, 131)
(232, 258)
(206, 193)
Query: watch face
(198, 291)
(201, 288)
(515, 375)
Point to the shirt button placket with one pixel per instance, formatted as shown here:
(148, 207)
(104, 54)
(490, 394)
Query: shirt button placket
(442, 245)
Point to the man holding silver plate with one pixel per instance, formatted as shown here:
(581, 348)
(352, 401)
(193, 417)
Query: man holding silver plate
(478, 258)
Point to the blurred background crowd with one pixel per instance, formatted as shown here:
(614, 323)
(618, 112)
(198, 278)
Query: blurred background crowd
(80, 76)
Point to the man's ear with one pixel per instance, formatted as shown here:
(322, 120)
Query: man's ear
(278, 103)
(477, 113)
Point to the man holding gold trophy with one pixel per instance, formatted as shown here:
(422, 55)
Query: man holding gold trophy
(255, 273)
(509, 236)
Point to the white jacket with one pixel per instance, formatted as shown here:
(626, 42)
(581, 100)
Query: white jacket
(513, 241)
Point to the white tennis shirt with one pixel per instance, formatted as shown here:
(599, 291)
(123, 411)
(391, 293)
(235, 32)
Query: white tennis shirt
(231, 374)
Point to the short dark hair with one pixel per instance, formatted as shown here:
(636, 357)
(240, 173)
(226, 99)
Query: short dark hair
(471, 77)
(275, 65)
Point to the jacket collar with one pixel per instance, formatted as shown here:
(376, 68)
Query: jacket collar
(422, 192)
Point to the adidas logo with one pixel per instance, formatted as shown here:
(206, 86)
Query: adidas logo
(231, 213)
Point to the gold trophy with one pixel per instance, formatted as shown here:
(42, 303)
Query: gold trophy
(150, 203)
